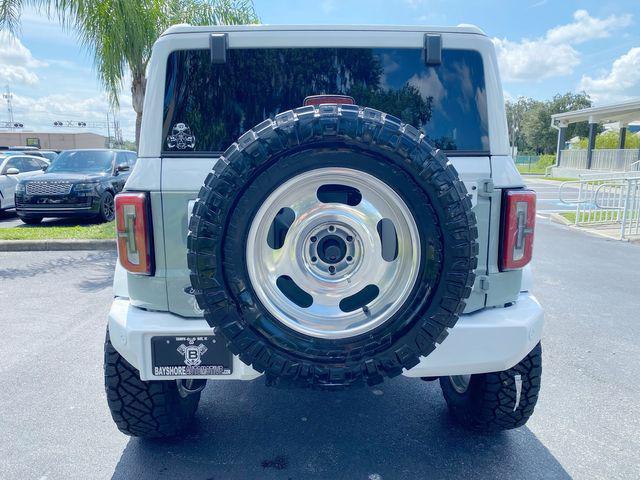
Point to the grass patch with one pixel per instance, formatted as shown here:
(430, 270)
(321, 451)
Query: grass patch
(57, 232)
(606, 214)
(539, 167)
(533, 169)
(559, 179)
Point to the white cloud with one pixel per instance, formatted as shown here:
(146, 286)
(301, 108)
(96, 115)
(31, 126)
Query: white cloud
(39, 113)
(585, 27)
(553, 54)
(17, 64)
(534, 59)
(620, 83)
(328, 6)
(429, 85)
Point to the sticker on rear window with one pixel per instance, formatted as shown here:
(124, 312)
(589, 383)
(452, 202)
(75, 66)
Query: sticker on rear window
(181, 138)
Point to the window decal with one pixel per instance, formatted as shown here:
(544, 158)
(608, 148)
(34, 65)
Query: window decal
(181, 138)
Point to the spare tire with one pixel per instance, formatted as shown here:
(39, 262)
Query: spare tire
(332, 246)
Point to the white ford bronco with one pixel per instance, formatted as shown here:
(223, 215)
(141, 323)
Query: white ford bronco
(324, 207)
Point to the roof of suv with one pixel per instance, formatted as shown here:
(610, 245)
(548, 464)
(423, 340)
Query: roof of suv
(186, 28)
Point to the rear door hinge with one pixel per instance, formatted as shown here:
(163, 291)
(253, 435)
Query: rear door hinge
(483, 283)
(485, 187)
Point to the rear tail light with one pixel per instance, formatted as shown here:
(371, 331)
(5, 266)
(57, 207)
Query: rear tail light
(518, 222)
(320, 99)
(133, 230)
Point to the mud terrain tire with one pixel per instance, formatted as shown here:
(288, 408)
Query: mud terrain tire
(299, 141)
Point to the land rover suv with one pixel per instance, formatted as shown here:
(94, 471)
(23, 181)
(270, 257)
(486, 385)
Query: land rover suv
(323, 207)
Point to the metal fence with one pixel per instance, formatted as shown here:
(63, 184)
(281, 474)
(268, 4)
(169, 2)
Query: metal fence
(574, 159)
(526, 161)
(607, 198)
(602, 159)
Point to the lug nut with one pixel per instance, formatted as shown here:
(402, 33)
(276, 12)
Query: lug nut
(332, 269)
(349, 258)
(349, 238)
(314, 259)
(314, 238)
(331, 228)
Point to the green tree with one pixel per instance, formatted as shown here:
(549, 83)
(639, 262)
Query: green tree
(611, 139)
(539, 134)
(120, 33)
(516, 112)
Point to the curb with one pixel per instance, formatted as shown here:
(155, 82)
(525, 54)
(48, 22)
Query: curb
(55, 245)
(557, 218)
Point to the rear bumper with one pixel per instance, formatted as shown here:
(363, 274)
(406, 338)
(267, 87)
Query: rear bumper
(490, 340)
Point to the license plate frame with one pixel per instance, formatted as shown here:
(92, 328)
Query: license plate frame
(190, 356)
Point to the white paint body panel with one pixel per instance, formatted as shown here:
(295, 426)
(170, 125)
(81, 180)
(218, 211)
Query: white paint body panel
(491, 340)
(486, 341)
(131, 329)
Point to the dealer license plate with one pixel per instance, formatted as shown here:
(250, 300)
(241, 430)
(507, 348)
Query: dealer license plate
(177, 356)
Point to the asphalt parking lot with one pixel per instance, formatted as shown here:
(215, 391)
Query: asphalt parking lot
(56, 425)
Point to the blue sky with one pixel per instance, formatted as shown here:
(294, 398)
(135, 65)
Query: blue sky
(544, 47)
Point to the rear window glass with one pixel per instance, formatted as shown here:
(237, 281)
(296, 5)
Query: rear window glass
(208, 106)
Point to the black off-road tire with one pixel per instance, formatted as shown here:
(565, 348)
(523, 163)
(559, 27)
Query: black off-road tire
(491, 403)
(152, 409)
(31, 220)
(301, 140)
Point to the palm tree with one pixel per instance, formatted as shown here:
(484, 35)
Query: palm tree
(120, 33)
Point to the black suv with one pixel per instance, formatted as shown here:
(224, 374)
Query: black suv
(79, 183)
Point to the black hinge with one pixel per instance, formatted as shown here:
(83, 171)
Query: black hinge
(218, 46)
(432, 49)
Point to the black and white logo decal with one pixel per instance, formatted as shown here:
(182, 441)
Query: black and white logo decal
(181, 138)
(192, 353)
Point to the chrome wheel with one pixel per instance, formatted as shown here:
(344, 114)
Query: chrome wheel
(333, 253)
(460, 383)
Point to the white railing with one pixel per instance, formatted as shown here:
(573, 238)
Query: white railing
(574, 159)
(613, 159)
(607, 198)
(602, 159)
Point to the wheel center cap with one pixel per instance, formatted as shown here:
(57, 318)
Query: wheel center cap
(332, 249)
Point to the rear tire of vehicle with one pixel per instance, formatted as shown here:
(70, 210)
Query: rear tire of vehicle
(31, 220)
(491, 402)
(107, 208)
(153, 409)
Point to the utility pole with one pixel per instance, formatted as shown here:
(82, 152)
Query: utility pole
(109, 144)
(8, 96)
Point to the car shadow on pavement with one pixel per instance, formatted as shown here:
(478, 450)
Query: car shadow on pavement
(102, 261)
(99, 274)
(401, 429)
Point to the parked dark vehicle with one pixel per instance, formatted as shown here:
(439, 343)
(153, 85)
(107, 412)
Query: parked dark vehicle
(79, 183)
(49, 155)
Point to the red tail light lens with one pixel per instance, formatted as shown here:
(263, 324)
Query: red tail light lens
(133, 230)
(518, 222)
(320, 99)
